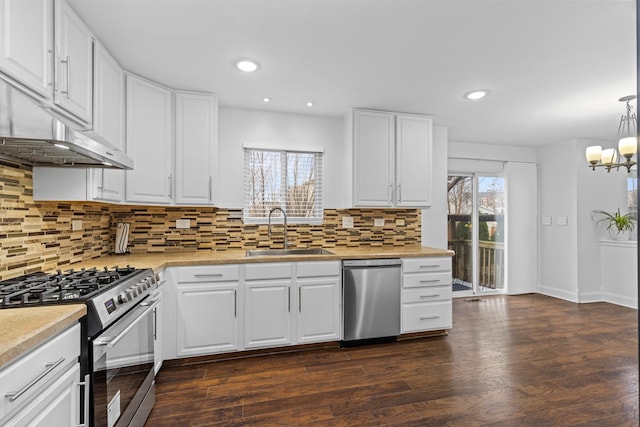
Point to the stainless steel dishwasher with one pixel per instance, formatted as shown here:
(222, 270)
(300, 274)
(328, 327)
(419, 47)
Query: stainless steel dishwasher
(371, 295)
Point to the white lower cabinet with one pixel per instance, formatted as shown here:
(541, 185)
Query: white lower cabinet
(158, 330)
(207, 310)
(42, 388)
(319, 296)
(426, 294)
(227, 308)
(267, 305)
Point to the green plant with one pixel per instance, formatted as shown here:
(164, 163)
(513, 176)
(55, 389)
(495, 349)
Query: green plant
(615, 221)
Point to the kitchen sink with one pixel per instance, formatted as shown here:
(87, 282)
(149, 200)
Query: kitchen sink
(284, 252)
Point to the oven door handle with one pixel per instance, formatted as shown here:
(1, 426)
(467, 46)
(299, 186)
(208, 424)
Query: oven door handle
(111, 342)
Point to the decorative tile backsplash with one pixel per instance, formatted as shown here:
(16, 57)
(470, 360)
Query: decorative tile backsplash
(38, 236)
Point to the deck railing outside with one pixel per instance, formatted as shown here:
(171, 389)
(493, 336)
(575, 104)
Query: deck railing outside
(490, 261)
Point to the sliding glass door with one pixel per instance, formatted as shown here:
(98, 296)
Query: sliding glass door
(476, 232)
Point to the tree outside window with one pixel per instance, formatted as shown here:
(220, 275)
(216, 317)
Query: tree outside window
(288, 180)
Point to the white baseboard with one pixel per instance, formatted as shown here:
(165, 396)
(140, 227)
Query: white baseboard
(620, 300)
(558, 293)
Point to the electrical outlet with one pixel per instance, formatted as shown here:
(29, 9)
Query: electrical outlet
(378, 222)
(400, 222)
(76, 225)
(183, 223)
(347, 222)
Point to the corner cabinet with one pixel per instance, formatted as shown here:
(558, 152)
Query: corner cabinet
(426, 294)
(392, 157)
(149, 141)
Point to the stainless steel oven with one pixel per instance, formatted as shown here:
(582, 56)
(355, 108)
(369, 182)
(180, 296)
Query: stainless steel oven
(123, 369)
(117, 335)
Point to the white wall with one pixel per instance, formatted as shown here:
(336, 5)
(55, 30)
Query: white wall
(569, 255)
(243, 126)
(434, 219)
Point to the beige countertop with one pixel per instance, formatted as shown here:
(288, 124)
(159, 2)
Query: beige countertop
(160, 261)
(25, 328)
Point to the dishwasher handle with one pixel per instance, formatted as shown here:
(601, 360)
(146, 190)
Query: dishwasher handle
(371, 263)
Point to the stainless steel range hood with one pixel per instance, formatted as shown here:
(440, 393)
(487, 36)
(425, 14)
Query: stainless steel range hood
(32, 134)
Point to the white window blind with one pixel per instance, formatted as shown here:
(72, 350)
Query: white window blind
(289, 180)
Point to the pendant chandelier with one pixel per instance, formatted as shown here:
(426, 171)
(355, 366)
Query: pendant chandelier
(627, 143)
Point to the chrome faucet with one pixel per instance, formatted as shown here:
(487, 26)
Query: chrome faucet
(284, 232)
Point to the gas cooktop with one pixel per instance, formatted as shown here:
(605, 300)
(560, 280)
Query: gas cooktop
(60, 287)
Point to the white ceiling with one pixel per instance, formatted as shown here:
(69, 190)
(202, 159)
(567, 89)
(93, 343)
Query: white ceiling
(555, 68)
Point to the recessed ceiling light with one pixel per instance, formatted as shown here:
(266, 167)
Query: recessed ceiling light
(247, 65)
(310, 104)
(64, 147)
(266, 99)
(476, 94)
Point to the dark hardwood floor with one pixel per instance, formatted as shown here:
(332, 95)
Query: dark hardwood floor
(525, 360)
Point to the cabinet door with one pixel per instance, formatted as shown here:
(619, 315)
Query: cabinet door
(195, 148)
(267, 319)
(57, 406)
(148, 142)
(413, 160)
(26, 43)
(373, 158)
(108, 121)
(74, 63)
(319, 309)
(207, 319)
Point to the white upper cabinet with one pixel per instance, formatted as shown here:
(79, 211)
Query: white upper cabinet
(373, 145)
(108, 121)
(73, 63)
(195, 148)
(413, 160)
(26, 43)
(391, 159)
(149, 142)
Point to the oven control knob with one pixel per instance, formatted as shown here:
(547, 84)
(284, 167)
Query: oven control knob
(122, 298)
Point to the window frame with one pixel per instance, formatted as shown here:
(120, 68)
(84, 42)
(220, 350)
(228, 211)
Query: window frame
(284, 152)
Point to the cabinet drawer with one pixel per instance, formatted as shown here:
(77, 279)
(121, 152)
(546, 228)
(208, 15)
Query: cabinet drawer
(426, 316)
(427, 294)
(421, 280)
(277, 270)
(318, 268)
(209, 273)
(427, 264)
(47, 362)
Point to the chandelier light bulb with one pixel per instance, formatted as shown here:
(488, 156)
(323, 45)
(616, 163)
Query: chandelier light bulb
(594, 154)
(609, 156)
(627, 146)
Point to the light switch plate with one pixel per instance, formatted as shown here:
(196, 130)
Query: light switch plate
(183, 223)
(561, 220)
(76, 225)
(546, 220)
(347, 222)
(378, 222)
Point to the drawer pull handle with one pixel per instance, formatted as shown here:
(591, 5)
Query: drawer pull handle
(208, 275)
(430, 281)
(430, 296)
(429, 317)
(430, 266)
(15, 395)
